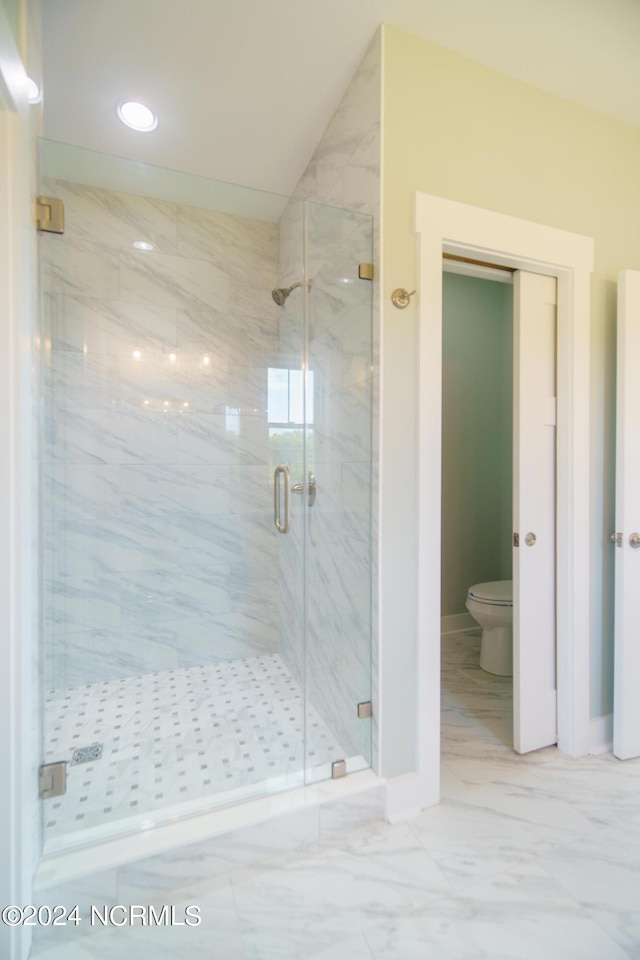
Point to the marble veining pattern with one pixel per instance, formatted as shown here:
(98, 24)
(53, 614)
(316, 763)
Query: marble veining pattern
(176, 736)
(539, 859)
(157, 501)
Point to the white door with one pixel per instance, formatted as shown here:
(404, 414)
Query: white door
(534, 512)
(626, 695)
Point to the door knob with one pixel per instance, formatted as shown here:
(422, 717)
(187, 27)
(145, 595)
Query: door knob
(530, 539)
(634, 540)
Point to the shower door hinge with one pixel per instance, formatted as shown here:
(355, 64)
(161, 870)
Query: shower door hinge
(52, 779)
(50, 214)
(365, 271)
(365, 710)
(338, 769)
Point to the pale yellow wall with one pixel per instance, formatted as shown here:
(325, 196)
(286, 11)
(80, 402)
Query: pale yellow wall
(459, 130)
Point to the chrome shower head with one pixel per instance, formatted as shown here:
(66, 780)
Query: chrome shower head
(280, 294)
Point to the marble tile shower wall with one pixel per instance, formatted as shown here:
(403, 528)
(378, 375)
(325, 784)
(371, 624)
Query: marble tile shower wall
(339, 555)
(159, 545)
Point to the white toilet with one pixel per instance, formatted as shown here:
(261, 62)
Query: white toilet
(491, 605)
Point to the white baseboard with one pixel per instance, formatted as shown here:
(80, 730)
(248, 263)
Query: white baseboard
(457, 623)
(403, 798)
(601, 734)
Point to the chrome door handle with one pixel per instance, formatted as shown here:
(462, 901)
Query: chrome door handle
(281, 471)
(634, 540)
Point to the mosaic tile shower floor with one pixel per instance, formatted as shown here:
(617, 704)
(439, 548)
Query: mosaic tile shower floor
(177, 736)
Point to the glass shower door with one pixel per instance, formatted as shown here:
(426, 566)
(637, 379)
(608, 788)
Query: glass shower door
(286, 421)
(173, 663)
(202, 643)
(338, 495)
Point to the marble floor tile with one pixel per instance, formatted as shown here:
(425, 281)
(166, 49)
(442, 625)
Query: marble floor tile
(470, 841)
(331, 890)
(602, 788)
(217, 937)
(602, 873)
(519, 915)
(450, 784)
(355, 948)
(527, 802)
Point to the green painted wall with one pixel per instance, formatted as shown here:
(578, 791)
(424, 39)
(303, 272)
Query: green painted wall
(454, 128)
(477, 416)
(12, 9)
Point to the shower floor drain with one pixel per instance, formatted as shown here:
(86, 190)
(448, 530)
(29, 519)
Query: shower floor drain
(85, 754)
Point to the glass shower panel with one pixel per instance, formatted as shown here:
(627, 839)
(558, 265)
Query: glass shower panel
(287, 443)
(172, 387)
(339, 502)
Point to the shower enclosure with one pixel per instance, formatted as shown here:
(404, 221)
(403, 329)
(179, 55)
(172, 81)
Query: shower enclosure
(206, 467)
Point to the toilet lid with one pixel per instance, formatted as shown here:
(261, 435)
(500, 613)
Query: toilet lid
(499, 592)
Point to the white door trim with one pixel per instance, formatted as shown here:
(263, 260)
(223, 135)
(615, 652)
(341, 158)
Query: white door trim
(18, 708)
(452, 227)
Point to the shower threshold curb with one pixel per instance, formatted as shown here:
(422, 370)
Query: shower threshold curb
(65, 865)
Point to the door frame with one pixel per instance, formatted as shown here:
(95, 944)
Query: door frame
(19, 741)
(447, 226)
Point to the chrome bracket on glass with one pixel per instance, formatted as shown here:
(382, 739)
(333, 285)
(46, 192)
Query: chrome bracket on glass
(52, 779)
(338, 769)
(50, 214)
(282, 526)
(299, 489)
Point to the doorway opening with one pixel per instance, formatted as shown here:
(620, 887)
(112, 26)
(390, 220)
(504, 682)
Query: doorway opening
(480, 234)
(476, 531)
(498, 557)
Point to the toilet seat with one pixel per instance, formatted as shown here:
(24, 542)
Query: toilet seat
(497, 592)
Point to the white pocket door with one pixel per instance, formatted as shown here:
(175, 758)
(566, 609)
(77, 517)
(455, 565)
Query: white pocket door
(626, 700)
(534, 512)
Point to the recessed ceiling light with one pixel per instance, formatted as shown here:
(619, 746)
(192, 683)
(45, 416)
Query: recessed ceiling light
(142, 245)
(33, 91)
(137, 116)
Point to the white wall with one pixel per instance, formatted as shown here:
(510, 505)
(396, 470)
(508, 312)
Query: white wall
(458, 130)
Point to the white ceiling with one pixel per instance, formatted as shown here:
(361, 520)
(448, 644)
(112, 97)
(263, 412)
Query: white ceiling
(244, 88)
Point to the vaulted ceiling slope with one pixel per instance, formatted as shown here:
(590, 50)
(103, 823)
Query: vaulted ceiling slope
(245, 88)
